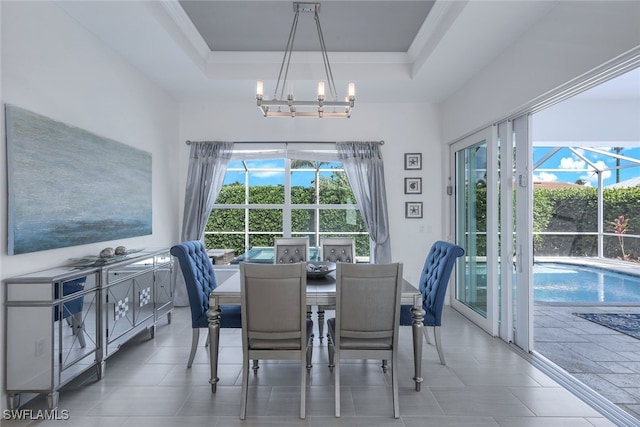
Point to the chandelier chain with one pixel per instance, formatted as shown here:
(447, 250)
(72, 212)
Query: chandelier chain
(287, 57)
(325, 59)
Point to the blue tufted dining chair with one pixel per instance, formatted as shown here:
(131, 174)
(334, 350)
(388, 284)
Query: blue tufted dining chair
(433, 287)
(200, 278)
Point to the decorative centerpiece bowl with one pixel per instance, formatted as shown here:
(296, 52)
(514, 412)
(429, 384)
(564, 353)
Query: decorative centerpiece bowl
(317, 269)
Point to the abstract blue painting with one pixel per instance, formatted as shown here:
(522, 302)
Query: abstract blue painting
(69, 187)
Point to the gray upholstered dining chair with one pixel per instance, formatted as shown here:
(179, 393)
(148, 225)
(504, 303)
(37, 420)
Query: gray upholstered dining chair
(334, 249)
(338, 249)
(290, 250)
(367, 319)
(274, 320)
(433, 287)
(200, 280)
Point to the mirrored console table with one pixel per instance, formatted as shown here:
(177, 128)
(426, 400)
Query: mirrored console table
(63, 321)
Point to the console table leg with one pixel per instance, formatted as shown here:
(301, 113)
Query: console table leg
(13, 401)
(52, 400)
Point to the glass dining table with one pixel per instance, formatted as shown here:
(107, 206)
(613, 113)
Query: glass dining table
(321, 291)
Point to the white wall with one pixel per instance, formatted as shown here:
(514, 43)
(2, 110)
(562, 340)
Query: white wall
(52, 66)
(605, 122)
(404, 128)
(574, 38)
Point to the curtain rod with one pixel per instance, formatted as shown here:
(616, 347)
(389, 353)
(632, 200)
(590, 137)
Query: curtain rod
(188, 142)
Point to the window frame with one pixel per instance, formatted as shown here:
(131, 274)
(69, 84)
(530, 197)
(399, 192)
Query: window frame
(287, 207)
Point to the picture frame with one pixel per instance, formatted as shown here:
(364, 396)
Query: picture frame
(412, 161)
(413, 185)
(413, 210)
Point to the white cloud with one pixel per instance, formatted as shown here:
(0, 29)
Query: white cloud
(265, 174)
(544, 177)
(571, 163)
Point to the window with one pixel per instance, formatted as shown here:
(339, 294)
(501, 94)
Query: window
(267, 198)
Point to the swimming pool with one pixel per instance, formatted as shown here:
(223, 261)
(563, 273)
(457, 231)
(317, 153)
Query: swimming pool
(555, 282)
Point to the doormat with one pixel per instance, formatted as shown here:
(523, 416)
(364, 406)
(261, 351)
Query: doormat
(627, 323)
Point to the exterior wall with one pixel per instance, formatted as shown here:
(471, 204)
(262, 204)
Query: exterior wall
(52, 66)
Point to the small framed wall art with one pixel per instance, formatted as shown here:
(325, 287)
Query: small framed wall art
(412, 161)
(413, 186)
(413, 210)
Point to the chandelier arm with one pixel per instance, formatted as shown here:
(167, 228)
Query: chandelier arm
(286, 59)
(325, 59)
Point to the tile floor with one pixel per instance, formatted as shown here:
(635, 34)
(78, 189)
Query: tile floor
(603, 359)
(485, 383)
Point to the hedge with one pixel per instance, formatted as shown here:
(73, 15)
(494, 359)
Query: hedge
(270, 220)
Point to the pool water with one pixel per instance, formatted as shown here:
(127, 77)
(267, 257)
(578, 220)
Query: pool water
(554, 282)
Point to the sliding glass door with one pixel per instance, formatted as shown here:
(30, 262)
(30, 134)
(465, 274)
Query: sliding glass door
(492, 207)
(475, 178)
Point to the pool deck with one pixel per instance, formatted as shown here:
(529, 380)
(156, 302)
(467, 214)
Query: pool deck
(603, 359)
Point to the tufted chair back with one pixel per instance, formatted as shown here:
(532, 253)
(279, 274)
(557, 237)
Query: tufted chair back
(338, 250)
(200, 278)
(290, 250)
(433, 287)
(435, 277)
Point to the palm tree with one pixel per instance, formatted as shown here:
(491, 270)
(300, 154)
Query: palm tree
(617, 151)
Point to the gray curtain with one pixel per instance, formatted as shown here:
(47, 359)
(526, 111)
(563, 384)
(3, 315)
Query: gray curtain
(364, 168)
(207, 167)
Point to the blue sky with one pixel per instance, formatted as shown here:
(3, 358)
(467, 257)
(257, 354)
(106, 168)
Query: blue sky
(566, 166)
(563, 166)
(267, 173)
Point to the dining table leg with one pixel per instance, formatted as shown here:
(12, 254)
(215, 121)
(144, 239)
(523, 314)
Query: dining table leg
(417, 314)
(213, 314)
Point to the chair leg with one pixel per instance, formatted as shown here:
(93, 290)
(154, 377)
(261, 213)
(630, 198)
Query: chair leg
(245, 386)
(331, 351)
(195, 337)
(309, 355)
(336, 380)
(438, 340)
(425, 332)
(303, 389)
(394, 385)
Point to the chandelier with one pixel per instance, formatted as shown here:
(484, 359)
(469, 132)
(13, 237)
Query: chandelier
(280, 106)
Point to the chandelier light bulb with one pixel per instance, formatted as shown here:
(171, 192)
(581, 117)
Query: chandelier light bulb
(259, 89)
